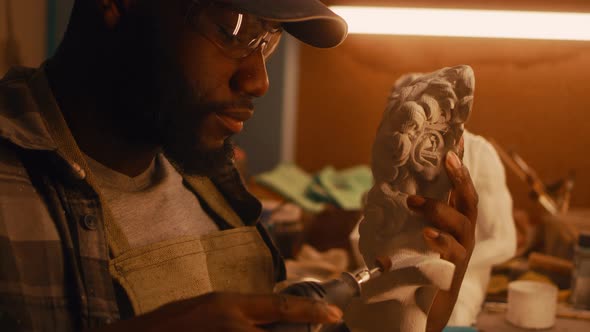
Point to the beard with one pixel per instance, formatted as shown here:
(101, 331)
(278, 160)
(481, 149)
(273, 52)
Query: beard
(156, 105)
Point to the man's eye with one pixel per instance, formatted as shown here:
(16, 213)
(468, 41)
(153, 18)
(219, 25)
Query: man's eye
(227, 36)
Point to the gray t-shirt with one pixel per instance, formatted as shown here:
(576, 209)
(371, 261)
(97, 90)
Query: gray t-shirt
(153, 206)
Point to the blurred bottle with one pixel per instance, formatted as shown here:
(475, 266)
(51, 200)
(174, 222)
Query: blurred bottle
(581, 274)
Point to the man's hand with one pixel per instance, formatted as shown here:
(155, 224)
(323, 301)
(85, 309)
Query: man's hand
(230, 312)
(453, 234)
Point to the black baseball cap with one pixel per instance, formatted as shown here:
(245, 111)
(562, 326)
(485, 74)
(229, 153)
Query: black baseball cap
(310, 21)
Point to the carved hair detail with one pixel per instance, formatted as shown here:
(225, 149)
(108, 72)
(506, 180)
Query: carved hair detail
(422, 109)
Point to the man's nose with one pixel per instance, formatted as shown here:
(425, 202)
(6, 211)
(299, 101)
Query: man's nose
(251, 77)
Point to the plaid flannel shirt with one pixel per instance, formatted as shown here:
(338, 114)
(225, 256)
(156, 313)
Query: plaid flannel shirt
(53, 251)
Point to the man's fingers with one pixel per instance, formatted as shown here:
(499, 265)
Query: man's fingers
(464, 197)
(264, 309)
(461, 147)
(446, 245)
(442, 216)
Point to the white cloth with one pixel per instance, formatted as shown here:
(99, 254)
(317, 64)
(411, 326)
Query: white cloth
(495, 233)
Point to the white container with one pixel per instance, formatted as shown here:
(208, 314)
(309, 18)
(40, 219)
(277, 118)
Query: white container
(531, 304)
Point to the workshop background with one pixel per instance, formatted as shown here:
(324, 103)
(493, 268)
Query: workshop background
(322, 110)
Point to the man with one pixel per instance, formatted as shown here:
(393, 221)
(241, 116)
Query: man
(120, 208)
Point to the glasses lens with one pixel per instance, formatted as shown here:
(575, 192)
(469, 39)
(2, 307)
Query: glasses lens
(271, 45)
(237, 34)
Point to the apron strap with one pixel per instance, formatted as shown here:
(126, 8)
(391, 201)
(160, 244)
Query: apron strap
(209, 193)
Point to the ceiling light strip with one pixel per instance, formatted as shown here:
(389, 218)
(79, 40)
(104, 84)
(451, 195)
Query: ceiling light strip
(466, 23)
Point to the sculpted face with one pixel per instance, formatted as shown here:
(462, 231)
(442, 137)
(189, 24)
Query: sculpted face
(428, 153)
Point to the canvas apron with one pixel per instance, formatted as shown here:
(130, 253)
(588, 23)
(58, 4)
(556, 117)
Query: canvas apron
(236, 260)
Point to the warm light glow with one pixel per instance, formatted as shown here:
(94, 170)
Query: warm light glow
(466, 23)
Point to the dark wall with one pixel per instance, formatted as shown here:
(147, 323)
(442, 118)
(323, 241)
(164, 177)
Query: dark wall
(58, 14)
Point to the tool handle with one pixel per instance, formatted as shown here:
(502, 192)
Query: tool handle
(337, 292)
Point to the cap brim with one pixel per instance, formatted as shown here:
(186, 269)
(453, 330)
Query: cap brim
(310, 21)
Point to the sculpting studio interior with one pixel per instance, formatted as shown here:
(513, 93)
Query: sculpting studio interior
(295, 165)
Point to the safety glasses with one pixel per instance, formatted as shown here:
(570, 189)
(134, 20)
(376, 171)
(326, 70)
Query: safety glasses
(237, 34)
